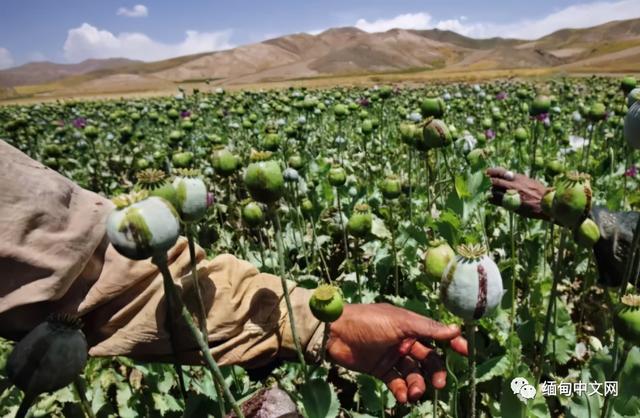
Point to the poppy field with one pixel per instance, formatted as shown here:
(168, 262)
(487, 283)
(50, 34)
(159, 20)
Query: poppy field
(374, 194)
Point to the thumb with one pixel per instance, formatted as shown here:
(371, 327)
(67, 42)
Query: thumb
(421, 327)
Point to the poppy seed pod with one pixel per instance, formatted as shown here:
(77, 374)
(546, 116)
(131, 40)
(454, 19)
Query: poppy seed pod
(547, 202)
(337, 176)
(597, 112)
(326, 303)
(252, 214)
(48, 358)
(627, 84)
(511, 200)
(360, 222)
(432, 107)
(587, 234)
(142, 226)
(265, 181)
(626, 319)
(192, 197)
(435, 134)
(437, 258)
(156, 183)
(541, 104)
(572, 199)
(290, 175)
(296, 161)
(391, 187)
(471, 285)
(182, 159)
(224, 162)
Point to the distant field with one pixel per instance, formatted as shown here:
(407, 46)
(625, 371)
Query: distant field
(48, 92)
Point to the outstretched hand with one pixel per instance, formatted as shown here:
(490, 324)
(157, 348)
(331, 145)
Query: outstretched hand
(531, 191)
(395, 345)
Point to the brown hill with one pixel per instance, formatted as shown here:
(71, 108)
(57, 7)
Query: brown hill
(613, 46)
(45, 72)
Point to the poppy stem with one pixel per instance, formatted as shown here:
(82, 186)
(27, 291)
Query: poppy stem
(160, 260)
(285, 288)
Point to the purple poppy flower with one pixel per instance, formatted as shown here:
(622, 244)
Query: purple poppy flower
(364, 102)
(501, 96)
(79, 123)
(541, 117)
(489, 134)
(631, 171)
(185, 114)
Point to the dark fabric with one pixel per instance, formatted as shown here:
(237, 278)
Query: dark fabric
(616, 236)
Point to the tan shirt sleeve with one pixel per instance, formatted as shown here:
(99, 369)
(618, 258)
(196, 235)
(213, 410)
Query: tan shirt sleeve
(54, 257)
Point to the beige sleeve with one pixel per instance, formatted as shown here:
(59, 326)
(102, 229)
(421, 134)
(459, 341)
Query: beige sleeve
(54, 257)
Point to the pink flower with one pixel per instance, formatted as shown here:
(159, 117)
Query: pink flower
(501, 96)
(541, 117)
(79, 123)
(489, 134)
(364, 102)
(631, 171)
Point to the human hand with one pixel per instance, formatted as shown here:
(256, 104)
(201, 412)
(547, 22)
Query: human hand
(531, 191)
(395, 345)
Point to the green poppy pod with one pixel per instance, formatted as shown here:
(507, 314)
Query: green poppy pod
(326, 303)
(264, 181)
(359, 224)
(572, 199)
(626, 319)
(435, 134)
(541, 104)
(437, 258)
(337, 176)
(432, 107)
(224, 162)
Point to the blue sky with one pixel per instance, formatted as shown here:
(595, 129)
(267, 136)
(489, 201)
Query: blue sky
(74, 30)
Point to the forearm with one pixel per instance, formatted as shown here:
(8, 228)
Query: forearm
(55, 257)
(246, 314)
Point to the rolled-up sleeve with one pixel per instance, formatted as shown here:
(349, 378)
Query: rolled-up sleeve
(54, 257)
(612, 249)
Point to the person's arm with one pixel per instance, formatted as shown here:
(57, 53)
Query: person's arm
(55, 258)
(616, 228)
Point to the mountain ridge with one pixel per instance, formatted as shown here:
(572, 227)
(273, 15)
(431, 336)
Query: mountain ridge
(345, 51)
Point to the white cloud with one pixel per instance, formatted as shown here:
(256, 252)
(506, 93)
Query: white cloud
(139, 10)
(87, 41)
(577, 16)
(404, 21)
(6, 60)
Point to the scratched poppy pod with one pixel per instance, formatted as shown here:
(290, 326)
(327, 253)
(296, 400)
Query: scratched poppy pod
(142, 226)
(471, 285)
(192, 198)
(435, 134)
